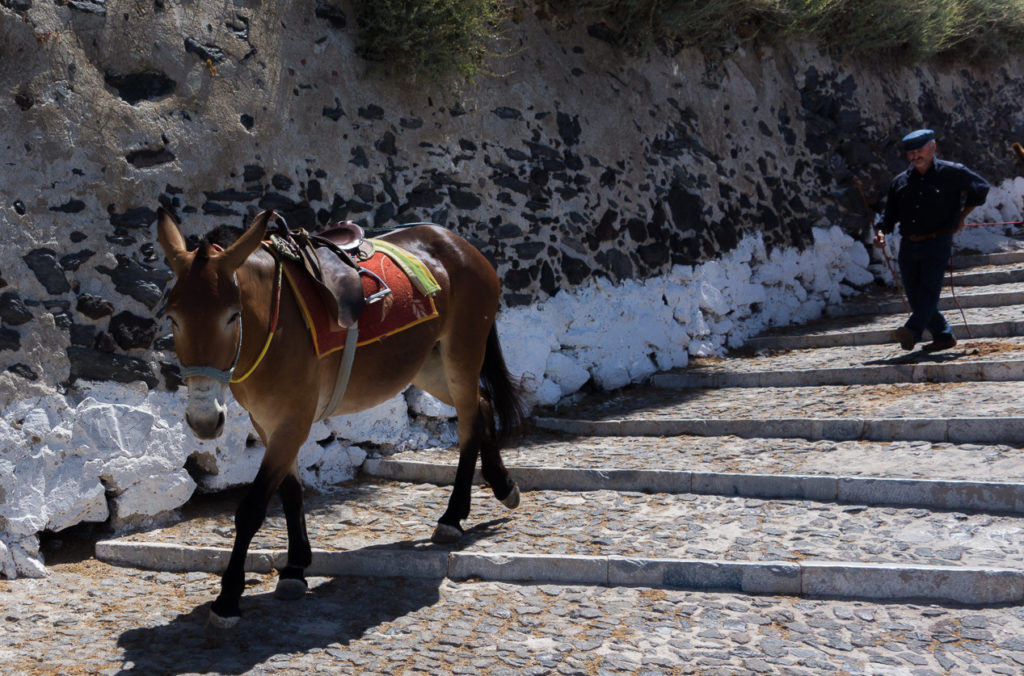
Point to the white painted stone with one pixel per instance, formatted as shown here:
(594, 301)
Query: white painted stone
(152, 496)
(424, 403)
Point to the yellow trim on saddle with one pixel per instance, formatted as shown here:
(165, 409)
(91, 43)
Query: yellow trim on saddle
(413, 267)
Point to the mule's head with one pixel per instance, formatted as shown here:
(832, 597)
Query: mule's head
(205, 308)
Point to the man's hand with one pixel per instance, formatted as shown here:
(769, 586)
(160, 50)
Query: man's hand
(879, 239)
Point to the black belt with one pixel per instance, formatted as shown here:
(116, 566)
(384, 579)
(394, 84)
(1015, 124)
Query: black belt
(931, 235)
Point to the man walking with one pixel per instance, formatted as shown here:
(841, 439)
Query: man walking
(930, 201)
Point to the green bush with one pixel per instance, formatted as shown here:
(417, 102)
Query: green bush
(441, 40)
(432, 40)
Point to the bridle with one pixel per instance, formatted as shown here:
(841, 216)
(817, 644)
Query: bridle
(227, 376)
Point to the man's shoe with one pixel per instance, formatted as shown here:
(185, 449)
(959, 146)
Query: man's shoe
(905, 337)
(941, 343)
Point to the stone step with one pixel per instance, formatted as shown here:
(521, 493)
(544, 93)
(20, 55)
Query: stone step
(989, 496)
(968, 412)
(991, 371)
(961, 260)
(982, 322)
(992, 295)
(796, 547)
(996, 274)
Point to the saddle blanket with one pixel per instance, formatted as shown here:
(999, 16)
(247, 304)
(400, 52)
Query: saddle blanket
(406, 306)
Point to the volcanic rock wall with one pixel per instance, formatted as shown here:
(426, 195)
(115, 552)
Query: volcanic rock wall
(580, 172)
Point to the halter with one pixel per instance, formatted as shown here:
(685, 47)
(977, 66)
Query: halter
(226, 376)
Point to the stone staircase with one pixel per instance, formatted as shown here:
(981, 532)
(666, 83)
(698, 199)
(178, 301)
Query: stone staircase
(820, 461)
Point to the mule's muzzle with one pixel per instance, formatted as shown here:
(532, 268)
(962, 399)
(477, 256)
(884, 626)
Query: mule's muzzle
(206, 412)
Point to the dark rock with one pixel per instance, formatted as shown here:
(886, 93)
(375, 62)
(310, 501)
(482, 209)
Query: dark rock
(464, 200)
(606, 230)
(218, 209)
(137, 217)
(517, 280)
(164, 342)
(94, 307)
(686, 207)
(359, 157)
(616, 263)
(121, 238)
(281, 182)
(23, 370)
(331, 14)
(528, 250)
(335, 113)
(507, 113)
(248, 121)
(467, 145)
(19, 207)
(73, 261)
(252, 173)
(72, 206)
(239, 27)
(10, 339)
(386, 144)
(313, 192)
(97, 7)
(232, 195)
(363, 191)
(145, 86)
(507, 231)
(211, 53)
(142, 282)
(576, 271)
(83, 335)
(601, 31)
(372, 112)
(43, 263)
(89, 364)
(131, 331)
(13, 311)
(149, 158)
(653, 255)
(411, 123)
(19, 5)
(172, 376)
(569, 128)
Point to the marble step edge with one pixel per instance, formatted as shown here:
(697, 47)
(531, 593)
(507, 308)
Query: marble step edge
(954, 495)
(1009, 430)
(954, 372)
(947, 303)
(1000, 329)
(835, 579)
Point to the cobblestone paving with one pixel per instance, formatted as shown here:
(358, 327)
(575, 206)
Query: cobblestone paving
(90, 618)
(896, 459)
(899, 400)
(976, 350)
(854, 323)
(608, 523)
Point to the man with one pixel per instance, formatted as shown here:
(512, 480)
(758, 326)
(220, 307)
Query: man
(930, 201)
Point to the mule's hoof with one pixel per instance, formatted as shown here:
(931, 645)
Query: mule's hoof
(512, 499)
(290, 588)
(217, 622)
(445, 534)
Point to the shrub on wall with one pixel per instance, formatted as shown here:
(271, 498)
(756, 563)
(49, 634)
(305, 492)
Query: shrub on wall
(431, 40)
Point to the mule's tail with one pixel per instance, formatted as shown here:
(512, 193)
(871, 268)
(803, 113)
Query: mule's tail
(501, 390)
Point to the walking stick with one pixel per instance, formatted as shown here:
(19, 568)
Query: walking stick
(885, 249)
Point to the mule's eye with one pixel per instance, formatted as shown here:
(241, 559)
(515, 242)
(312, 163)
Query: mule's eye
(234, 318)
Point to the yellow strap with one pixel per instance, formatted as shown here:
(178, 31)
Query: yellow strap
(270, 334)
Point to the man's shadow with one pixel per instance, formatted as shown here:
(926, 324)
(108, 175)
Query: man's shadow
(920, 356)
(332, 613)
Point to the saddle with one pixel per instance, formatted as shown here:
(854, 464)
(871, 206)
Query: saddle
(330, 261)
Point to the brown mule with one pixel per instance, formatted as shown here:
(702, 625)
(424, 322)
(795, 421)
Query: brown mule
(279, 380)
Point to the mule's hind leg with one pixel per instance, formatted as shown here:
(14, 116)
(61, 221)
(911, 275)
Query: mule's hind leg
(433, 378)
(291, 583)
(491, 465)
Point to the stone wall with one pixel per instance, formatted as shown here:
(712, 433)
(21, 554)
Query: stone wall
(579, 171)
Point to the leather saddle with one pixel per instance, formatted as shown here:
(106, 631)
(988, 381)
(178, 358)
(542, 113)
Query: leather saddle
(330, 260)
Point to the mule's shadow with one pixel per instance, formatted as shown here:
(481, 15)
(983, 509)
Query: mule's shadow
(335, 612)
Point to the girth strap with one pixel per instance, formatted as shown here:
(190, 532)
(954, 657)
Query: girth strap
(348, 355)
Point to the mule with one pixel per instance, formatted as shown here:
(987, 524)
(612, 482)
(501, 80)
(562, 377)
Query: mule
(273, 372)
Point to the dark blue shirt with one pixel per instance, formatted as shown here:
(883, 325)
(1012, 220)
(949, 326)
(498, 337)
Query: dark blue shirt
(931, 202)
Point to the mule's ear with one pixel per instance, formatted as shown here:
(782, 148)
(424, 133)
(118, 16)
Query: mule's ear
(171, 240)
(250, 240)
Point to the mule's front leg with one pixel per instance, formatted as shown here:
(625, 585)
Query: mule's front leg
(224, 613)
(291, 582)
